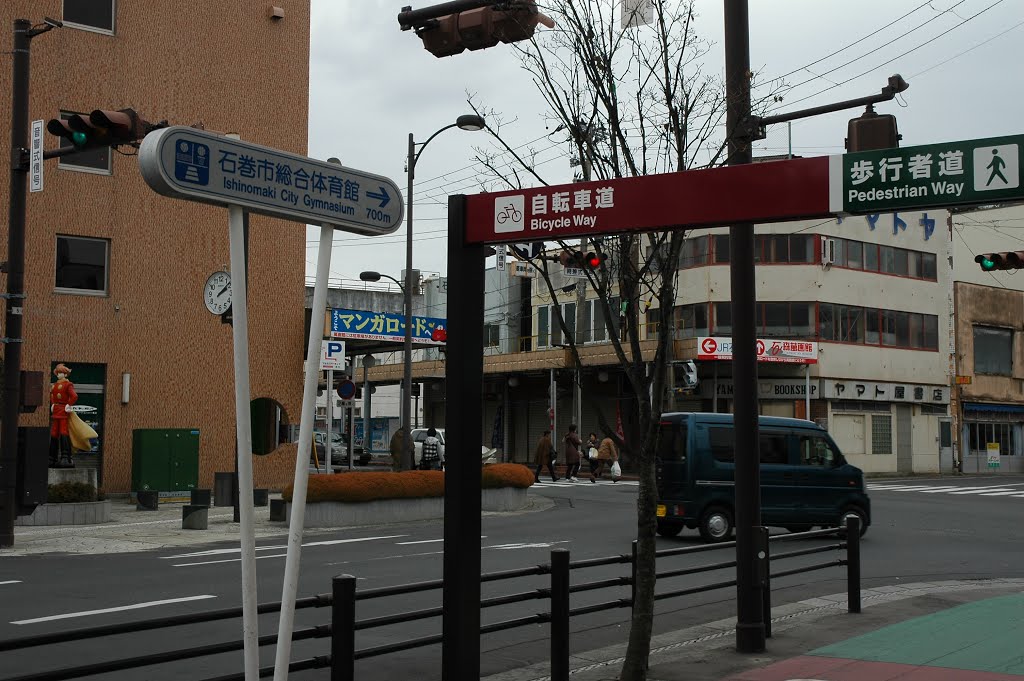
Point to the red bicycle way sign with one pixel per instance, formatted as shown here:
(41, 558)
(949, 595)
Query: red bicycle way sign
(934, 175)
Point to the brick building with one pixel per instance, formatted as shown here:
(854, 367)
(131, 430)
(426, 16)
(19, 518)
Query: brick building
(114, 273)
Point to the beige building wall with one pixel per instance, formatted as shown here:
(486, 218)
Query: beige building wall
(228, 67)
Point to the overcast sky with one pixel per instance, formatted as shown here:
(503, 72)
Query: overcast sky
(372, 84)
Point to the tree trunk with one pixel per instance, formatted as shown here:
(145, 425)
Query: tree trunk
(634, 668)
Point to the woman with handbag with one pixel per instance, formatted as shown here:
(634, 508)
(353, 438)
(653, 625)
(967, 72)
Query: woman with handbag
(607, 454)
(545, 457)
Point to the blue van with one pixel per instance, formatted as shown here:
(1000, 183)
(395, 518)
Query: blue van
(805, 481)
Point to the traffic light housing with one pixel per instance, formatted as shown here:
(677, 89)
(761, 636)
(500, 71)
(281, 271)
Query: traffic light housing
(871, 131)
(590, 260)
(102, 128)
(1007, 260)
(478, 29)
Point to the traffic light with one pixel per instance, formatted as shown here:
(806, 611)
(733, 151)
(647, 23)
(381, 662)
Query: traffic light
(872, 131)
(1008, 260)
(102, 128)
(478, 29)
(590, 260)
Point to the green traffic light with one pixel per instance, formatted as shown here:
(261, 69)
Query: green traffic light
(79, 138)
(987, 264)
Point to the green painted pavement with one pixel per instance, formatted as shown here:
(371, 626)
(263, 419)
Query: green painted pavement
(981, 636)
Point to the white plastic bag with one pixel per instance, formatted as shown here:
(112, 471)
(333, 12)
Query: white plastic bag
(616, 471)
(592, 453)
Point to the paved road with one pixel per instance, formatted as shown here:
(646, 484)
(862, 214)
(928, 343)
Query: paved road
(924, 529)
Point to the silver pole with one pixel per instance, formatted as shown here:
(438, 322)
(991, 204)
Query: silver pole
(807, 392)
(243, 432)
(407, 459)
(330, 419)
(301, 483)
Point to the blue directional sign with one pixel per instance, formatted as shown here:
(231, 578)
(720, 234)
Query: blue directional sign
(202, 166)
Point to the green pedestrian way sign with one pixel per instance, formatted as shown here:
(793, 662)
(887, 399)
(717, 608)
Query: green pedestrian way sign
(932, 175)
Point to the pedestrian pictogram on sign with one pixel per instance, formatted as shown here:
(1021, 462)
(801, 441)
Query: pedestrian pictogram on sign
(1000, 164)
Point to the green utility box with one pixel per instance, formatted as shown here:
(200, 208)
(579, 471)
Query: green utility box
(165, 460)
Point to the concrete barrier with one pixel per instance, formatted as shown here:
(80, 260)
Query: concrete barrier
(195, 517)
(83, 513)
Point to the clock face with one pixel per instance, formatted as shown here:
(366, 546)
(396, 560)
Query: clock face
(217, 293)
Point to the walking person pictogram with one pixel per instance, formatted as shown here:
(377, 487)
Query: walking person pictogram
(996, 166)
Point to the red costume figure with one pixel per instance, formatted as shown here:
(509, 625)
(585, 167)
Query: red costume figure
(62, 397)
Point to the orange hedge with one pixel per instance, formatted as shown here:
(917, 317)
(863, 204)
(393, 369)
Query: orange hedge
(372, 486)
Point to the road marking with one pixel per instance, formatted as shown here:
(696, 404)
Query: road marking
(901, 488)
(538, 545)
(1015, 492)
(11, 581)
(426, 541)
(981, 490)
(217, 552)
(936, 490)
(104, 611)
(329, 542)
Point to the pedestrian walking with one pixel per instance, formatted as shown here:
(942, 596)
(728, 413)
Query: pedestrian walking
(430, 454)
(591, 449)
(607, 454)
(572, 453)
(545, 457)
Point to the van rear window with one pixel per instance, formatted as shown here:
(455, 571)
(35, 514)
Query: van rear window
(672, 442)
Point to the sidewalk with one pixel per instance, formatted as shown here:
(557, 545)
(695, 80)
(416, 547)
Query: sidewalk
(955, 630)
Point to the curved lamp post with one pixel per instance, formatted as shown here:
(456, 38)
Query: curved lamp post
(470, 122)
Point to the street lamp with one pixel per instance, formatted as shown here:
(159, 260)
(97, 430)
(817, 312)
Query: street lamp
(371, 276)
(470, 122)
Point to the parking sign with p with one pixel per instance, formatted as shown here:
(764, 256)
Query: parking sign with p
(332, 355)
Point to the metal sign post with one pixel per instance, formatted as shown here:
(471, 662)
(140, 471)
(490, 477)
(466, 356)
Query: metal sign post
(196, 165)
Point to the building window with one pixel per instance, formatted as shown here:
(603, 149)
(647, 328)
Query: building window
(881, 434)
(721, 248)
(89, 161)
(980, 434)
(692, 320)
(542, 327)
(92, 15)
(723, 319)
(694, 252)
(993, 351)
(492, 335)
(82, 264)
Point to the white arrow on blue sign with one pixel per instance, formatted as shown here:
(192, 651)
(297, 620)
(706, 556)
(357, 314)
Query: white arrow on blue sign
(202, 166)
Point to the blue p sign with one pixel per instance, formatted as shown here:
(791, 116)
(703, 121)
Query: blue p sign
(332, 356)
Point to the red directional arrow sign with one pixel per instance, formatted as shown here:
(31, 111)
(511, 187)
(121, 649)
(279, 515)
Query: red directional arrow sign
(708, 346)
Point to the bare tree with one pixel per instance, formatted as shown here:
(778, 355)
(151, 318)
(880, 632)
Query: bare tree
(630, 101)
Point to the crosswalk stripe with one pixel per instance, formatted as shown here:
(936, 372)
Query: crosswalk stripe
(982, 490)
(934, 490)
(1015, 492)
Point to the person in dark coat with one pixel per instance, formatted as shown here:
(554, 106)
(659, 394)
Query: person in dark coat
(572, 453)
(545, 456)
(607, 454)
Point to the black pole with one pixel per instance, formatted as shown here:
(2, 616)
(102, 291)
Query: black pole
(464, 374)
(853, 563)
(15, 281)
(559, 615)
(750, 632)
(343, 628)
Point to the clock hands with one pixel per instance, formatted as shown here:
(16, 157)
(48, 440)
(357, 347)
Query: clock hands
(227, 286)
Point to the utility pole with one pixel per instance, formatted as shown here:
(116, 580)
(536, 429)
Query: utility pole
(15, 268)
(581, 300)
(750, 630)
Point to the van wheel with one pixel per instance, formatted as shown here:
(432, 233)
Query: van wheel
(716, 524)
(669, 530)
(852, 511)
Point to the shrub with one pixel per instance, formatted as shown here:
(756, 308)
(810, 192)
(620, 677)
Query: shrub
(506, 475)
(374, 486)
(70, 493)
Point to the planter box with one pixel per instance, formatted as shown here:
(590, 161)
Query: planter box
(85, 513)
(339, 514)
